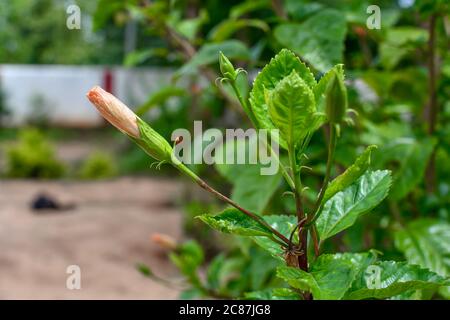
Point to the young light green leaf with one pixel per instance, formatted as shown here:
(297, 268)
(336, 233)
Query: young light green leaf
(426, 242)
(350, 175)
(392, 278)
(291, 107)
(279, 67)
(342, 210)
(330, 276)
(319, 40)
(233, 221)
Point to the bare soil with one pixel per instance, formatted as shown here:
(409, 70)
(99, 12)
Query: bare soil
(106, 234)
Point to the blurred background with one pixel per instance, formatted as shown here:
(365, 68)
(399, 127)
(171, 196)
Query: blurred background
(74, 191)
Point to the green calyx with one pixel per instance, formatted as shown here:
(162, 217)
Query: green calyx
(153, 143)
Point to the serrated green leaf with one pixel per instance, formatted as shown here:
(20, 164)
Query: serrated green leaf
(319, 40)
(393, 278)
(342, 210)
(350, 175)
(330, 275)
(233, 221)
(279, 67)
(426, 242)
(291, 107)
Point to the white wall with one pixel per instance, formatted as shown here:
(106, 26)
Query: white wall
(63, 90)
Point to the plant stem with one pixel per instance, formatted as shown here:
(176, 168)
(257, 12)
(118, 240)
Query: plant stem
(431, 110)
(331, 149)
(302, 232)
(224, 198)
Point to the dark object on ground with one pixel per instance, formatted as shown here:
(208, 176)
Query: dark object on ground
(46, 202)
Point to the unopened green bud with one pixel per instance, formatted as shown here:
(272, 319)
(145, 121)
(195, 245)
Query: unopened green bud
(336, 99)
(226, 67)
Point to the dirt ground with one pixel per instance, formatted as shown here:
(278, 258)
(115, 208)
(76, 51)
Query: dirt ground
(106, 234)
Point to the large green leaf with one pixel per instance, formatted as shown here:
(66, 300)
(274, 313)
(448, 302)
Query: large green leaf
(410, 157)
(209, 53)
(234, 221)
(283, 224)
(393, 278)
(426, 242)
(342, 210)
(291, 107)
(319, 40)
(279, 67)
(330, 277)
(350, 175)
(251, 189)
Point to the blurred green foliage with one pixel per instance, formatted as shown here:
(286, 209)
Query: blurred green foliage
(33, 157)
(98, 165)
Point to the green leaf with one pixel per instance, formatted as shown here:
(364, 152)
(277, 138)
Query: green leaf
(321, 87)
(159, 97)
(188, 259)
(342, 210)
(273, 294)
(426, 242)
(247, 7)
(410, 157)
(291, 107)
(226, 28)
(330, 276)
(283, 224)
(278, 68)
(391, 279)
(350, 175)
(319, 40)
(234, 221)
(139, 56)
(209, 53)
(251, 189)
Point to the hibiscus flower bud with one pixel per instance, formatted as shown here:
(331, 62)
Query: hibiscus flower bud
(227, 68)
(115, 111)
(120, 116)
(336, 99)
